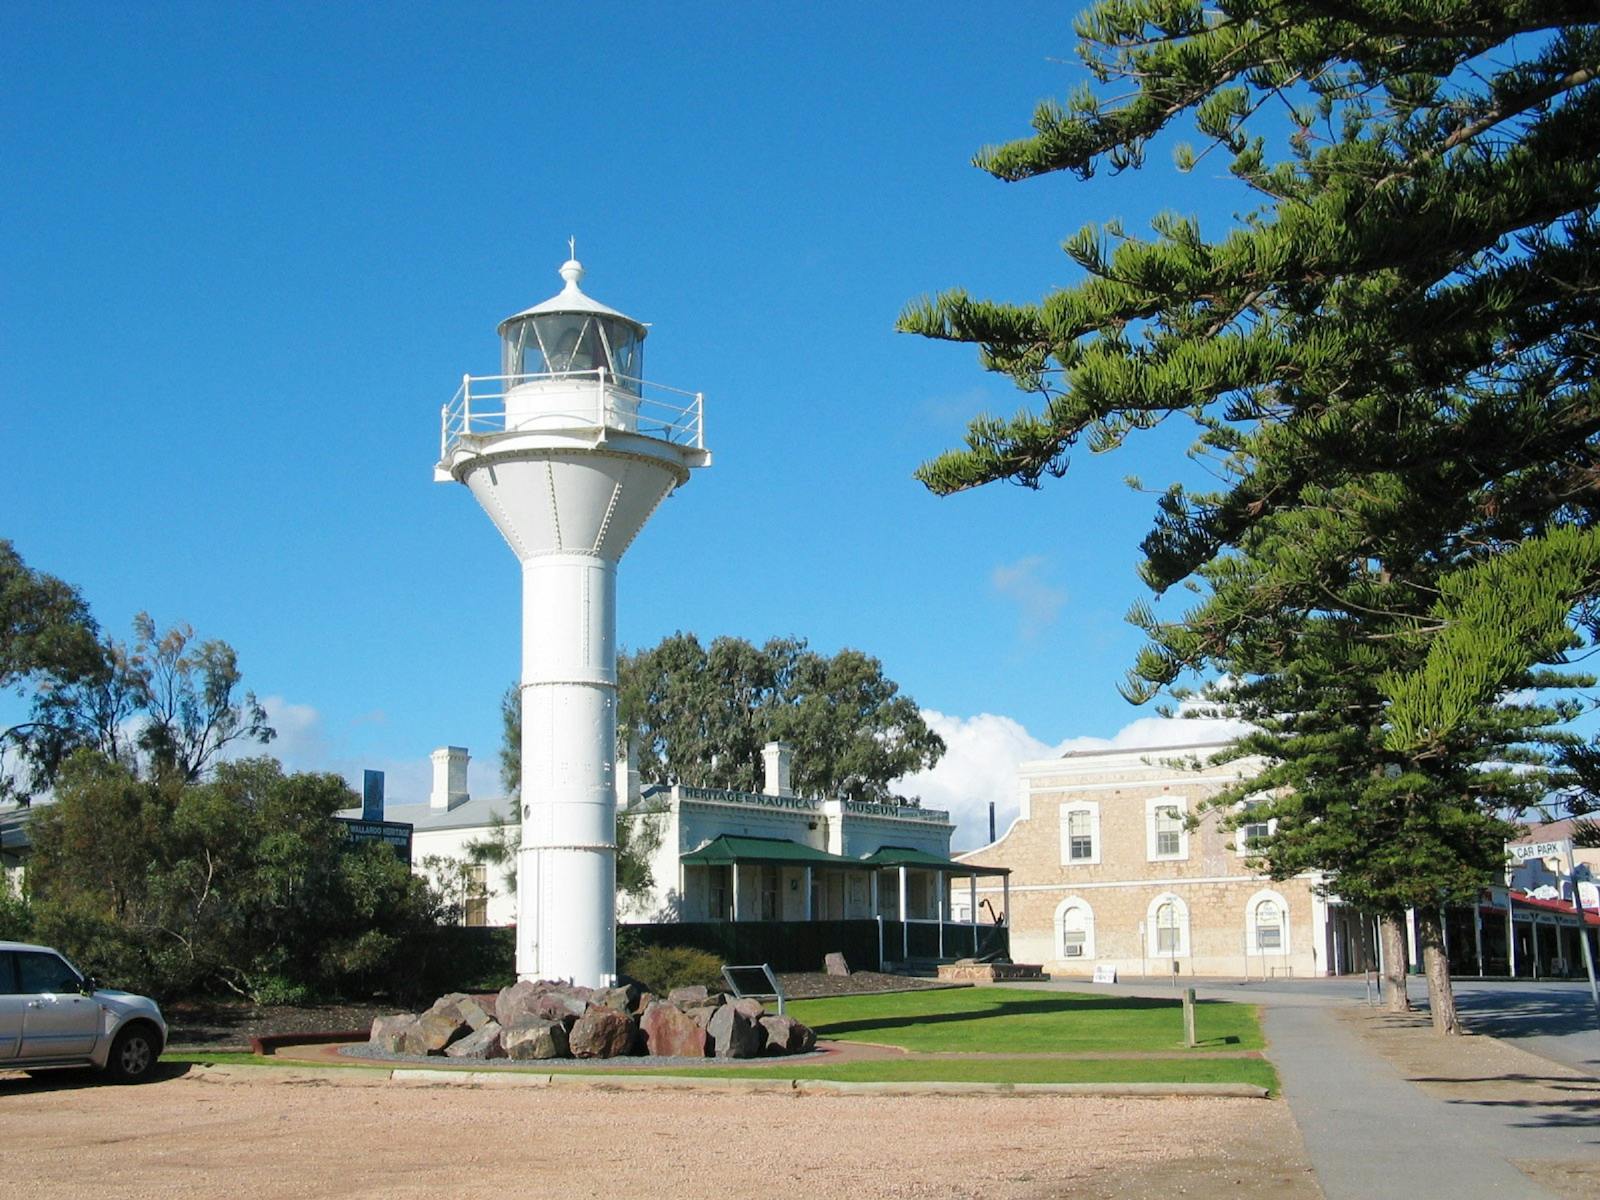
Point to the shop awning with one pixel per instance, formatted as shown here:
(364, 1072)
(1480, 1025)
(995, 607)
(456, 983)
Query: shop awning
(728, 849)
(905, 856)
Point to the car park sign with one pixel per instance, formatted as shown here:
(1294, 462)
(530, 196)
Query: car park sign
(1526, 851)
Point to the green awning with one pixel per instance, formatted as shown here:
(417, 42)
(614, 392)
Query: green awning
(904, 856)
(728, 849)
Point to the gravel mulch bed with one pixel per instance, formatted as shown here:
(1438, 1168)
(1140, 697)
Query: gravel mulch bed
(809, 985)
(215, 1025)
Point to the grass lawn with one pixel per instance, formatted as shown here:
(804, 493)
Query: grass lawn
(1015, 1021)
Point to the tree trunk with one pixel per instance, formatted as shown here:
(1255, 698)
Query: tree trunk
(1392, 930)
(1436, 963)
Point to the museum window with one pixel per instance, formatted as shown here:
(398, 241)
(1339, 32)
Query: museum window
(719, 905)
(475, 902)
(767, 881)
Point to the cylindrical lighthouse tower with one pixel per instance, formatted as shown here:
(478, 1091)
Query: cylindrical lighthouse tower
(569, 452)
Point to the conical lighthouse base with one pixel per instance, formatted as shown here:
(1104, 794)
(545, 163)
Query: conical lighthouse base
(569, 514)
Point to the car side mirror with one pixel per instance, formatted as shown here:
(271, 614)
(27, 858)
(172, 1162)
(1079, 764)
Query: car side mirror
(89, 986)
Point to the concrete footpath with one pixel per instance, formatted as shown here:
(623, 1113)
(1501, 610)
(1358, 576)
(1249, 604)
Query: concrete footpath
(1386, 1108)
(1371, 1131)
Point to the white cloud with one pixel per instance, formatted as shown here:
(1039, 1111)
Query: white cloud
(301, 742)
(1156, 733)
(979, 765)
(983, 753)
(1038, 602)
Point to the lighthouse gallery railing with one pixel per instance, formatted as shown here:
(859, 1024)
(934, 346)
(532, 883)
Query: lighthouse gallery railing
(602, 400)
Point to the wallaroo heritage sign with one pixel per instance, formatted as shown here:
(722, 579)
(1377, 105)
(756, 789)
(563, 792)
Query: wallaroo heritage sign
(722, 796)
(394, 834)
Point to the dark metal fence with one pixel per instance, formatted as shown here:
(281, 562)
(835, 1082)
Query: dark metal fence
(920, 940)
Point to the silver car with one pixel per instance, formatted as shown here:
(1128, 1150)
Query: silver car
(51, 1015)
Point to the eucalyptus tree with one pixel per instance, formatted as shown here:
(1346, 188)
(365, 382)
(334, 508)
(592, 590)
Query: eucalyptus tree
(48, 641)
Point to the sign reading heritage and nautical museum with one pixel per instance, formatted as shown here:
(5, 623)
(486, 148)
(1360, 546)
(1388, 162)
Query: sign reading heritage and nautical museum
(811, 804)
(724, 796)
(901, 812)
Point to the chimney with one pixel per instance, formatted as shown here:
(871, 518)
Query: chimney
(449, 778)
(779, 758)
(627, 774)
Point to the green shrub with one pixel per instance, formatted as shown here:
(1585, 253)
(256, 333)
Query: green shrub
(16, 914)
(662, 968)
(275, 990)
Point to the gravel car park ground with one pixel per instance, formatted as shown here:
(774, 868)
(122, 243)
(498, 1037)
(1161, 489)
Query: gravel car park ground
(265, 1137)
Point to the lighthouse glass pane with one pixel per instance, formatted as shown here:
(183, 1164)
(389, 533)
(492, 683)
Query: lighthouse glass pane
(512, 349)
(625, 352)
(570, 343)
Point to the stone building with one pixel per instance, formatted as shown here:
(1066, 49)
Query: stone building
(1105, 871)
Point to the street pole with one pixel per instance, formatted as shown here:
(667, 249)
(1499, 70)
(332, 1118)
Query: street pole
(1583, 932)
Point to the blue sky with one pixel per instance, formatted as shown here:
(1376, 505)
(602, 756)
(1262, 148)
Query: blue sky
(251, 249)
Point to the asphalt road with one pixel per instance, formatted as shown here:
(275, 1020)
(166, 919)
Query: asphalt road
(1369, 1130)
(1553, 1020)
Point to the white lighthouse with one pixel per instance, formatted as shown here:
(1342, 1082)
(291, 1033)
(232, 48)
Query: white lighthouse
(569, 451)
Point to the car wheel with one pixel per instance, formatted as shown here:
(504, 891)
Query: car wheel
(133, 1054)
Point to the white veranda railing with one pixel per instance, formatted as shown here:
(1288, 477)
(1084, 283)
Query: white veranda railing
(570, 400)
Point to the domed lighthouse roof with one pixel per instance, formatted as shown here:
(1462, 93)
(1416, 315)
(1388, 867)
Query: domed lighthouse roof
(572, 299)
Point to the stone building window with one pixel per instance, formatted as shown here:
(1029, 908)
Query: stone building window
(1167, 927)
(1251, 830)
(1074, 929)
(1266, 924)
(1169, 829)
(1269, 926)
(1080, 834)
(1166, 835)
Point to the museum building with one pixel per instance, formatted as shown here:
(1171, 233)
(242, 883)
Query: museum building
(770, 866)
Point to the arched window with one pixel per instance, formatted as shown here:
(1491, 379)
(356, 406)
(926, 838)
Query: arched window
(1167, 927)
(1266, 924)
(1074, 929)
